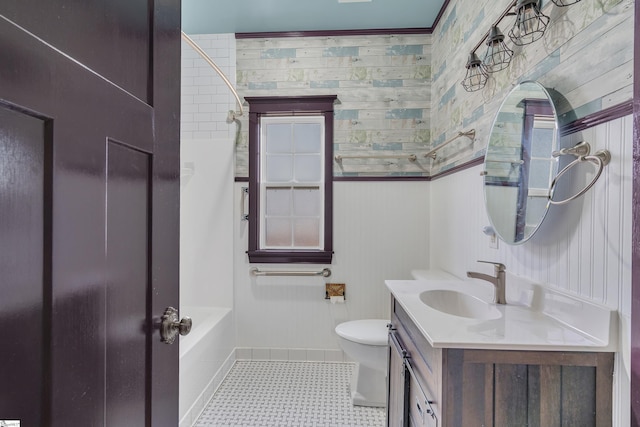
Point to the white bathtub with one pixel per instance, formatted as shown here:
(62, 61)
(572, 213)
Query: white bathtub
(206, 355)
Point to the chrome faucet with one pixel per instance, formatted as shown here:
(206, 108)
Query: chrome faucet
(498, 281)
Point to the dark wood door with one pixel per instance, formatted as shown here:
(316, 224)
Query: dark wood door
(89, 205)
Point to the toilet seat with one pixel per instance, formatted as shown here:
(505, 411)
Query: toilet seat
(367, 331)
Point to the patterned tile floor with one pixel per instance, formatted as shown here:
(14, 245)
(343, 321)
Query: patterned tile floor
(310, 394)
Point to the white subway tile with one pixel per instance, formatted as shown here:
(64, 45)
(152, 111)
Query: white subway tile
(203, 80)
(207, 126)
(243, 353)
(202, 135)
(333, 356)
(202, 117)
(314, 355)
(297, 354)
(189, 90)
(260, 354)
(279, 354)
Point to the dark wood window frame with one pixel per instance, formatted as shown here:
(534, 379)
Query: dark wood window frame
(532, 108)
(289, 106)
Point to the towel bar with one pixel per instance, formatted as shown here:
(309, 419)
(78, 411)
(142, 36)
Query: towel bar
(325, 272)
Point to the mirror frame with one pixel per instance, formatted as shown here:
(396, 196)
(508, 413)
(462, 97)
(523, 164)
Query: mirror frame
(520, 233)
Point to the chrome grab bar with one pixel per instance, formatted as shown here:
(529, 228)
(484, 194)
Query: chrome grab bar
(325, 272)
(471, 134)
(410, 157)
(244, 216)
(513, 162)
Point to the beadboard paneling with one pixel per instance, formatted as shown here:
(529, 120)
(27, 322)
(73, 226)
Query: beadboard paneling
(583, 248)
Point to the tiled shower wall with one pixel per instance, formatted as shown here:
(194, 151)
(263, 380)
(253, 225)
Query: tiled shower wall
(383, 85)
(207, 168)
(586, 55)
(206, 99)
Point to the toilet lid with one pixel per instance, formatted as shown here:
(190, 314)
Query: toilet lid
(368, 331)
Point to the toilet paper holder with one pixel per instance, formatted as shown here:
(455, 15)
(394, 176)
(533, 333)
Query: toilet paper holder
(334, 290)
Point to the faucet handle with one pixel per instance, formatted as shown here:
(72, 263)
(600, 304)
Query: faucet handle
(498, 265)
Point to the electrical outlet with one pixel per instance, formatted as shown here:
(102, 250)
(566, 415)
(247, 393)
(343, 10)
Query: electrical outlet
(493, 241)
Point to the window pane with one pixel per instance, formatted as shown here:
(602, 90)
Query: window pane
(279, 168)
(278, 201)
(308, 168)
(277, 232)
(539, 173)
(307, 137)
(542, 142)
(278, 138)
(306, 202)
(307, 232)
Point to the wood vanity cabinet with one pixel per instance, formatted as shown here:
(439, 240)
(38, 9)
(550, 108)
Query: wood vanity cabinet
(449, 387)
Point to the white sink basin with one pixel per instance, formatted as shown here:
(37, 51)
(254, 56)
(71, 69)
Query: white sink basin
(454, 313)
(459, 304)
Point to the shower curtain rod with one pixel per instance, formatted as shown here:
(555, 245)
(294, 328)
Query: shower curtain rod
(209, 61)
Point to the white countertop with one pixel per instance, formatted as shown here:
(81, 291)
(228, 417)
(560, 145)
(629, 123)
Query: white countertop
(535, 318)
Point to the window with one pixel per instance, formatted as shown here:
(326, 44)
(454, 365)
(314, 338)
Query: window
(290, 179)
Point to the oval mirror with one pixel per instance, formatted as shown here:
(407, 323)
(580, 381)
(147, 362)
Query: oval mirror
(519, 165)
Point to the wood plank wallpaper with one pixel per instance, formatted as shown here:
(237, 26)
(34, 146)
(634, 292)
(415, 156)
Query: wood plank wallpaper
(585, 55)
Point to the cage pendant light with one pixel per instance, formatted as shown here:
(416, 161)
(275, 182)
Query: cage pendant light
(476, 77)
(498, 55)
(562, 3)
(530, 23)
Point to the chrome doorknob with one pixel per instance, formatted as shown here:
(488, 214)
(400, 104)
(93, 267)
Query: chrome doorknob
(171, 326)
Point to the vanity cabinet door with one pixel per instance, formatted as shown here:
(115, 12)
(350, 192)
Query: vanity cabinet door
(398, 386)
(421, 413)
(422, 370)
(501, 388)
(546, 389)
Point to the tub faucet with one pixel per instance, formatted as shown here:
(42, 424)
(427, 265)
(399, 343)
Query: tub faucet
(498, 281)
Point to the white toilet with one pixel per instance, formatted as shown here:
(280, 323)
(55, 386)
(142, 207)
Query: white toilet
(365, 341)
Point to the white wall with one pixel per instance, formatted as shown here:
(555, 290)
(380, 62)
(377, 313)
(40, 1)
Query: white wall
(380, 232)
(583, 248)
(208, 166)
(206, 215)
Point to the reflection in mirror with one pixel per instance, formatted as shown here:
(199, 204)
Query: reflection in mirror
(519, 165)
